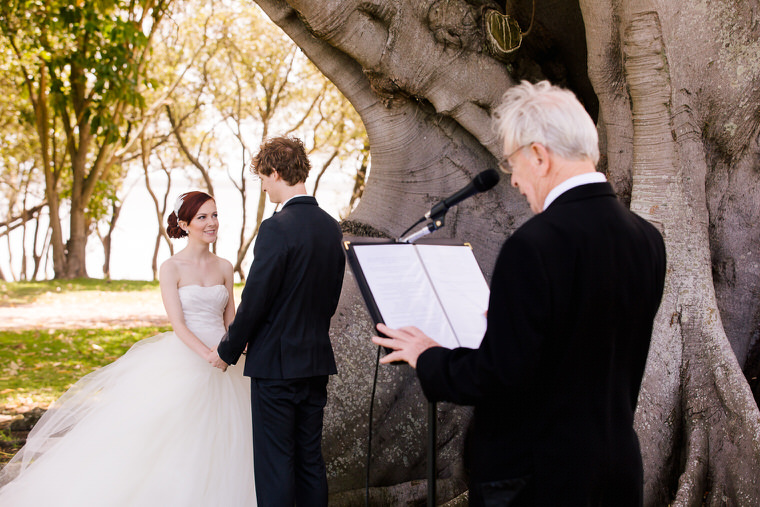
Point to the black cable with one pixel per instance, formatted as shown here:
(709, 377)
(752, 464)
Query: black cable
(369, 431)
(411, 226)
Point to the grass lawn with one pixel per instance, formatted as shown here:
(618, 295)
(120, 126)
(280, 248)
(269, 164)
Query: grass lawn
(37, 366)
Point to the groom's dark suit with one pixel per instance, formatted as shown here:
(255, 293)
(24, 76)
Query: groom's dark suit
(555, 381)
(290, 295)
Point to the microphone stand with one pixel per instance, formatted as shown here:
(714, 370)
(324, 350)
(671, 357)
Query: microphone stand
(436, 222)
(482, 182)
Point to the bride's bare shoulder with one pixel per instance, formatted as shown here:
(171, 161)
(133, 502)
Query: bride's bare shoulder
(223, 263)
(225, 267)
(170, 269)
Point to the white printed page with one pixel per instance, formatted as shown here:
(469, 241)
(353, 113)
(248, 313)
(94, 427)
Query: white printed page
(402, 291)
(461, 288)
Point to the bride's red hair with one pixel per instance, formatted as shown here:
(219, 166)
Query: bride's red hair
(191, 203)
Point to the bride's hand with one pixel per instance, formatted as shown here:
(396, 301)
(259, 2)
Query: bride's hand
(215, 361)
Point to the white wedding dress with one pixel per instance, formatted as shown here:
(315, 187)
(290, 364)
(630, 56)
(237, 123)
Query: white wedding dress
(157, 427)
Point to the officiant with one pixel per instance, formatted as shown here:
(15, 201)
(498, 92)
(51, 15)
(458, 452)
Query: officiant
(574, 293)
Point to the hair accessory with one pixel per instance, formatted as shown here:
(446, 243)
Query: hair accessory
(178, 204)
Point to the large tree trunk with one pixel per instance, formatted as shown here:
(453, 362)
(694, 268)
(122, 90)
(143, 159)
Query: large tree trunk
(418, 158)
(697, 420)
(677, 110)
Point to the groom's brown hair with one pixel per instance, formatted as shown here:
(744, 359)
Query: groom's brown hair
(286, 155)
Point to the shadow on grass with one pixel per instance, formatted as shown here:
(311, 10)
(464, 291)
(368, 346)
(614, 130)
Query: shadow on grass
(37, 366)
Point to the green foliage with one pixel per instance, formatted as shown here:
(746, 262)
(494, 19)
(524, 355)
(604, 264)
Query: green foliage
(90, 51)
(112, 69)
(37, 366)
(81, 68)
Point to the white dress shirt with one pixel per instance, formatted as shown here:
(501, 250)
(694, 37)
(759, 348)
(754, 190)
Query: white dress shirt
(575, 181)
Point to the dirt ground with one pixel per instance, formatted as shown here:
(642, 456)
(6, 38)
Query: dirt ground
(86, 309)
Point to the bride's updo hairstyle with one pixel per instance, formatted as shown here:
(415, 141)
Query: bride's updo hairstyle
(185, 208)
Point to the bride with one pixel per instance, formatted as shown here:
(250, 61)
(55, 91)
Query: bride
(159, 426)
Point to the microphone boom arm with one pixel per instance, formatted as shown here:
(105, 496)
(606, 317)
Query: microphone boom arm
(431, 226)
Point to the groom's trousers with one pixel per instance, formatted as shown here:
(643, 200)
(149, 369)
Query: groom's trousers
(287, 441)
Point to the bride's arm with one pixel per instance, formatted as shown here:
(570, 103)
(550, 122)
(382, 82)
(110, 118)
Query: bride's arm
(229, 279)
(168, 281)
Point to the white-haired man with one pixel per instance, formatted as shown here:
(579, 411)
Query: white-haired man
(574, 294)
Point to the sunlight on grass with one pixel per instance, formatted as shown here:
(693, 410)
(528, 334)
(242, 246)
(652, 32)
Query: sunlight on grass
(37, 366)
(15, 293)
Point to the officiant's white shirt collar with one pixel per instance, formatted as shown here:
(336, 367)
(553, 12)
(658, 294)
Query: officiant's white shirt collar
(575, 181)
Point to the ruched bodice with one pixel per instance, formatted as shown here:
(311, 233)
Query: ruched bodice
(203, 308)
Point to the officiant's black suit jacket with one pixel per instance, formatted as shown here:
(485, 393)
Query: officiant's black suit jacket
(555, 381)
(290, 295)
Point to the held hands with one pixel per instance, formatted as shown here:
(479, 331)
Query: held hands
(215, 361)
(407, 344)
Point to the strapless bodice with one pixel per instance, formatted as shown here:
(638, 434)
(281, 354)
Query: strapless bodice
(203, 308)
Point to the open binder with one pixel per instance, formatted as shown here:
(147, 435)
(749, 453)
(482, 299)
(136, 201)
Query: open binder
(436, 287)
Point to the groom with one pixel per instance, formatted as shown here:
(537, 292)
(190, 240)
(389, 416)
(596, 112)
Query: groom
(284, 316)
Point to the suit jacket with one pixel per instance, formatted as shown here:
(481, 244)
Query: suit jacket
(555, 381)
(290, 295)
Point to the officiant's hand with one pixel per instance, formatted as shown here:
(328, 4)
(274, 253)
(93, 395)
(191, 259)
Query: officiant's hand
(407, 344)
(216, 361)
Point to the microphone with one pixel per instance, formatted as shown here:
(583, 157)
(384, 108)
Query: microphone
(486, 180)
(480, 183)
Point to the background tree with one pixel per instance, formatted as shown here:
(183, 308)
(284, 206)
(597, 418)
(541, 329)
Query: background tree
(249, 81)
(221, 77)
(263, 85)
(82, 68)
(674, 89)
(21, 181)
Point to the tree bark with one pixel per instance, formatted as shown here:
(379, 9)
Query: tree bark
(418, 158)
(679, 128)
(697, 420)
(107, 240)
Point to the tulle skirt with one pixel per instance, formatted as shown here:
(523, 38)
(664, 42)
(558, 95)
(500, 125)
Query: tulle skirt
(158, 427)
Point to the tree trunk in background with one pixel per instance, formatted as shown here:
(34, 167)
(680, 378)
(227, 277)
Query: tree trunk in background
(107, 240)
(673, 88)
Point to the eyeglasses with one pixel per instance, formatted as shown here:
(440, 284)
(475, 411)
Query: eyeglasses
(504, 164)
